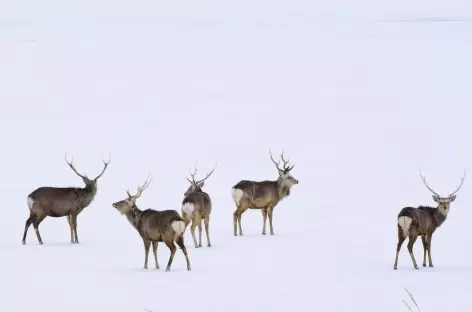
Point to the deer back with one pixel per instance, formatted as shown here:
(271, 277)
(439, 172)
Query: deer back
(259, 193)
(156, 225)
(61, 200)
(201, 202)
(423, 218)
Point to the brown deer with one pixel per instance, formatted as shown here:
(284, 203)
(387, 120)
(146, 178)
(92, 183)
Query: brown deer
(423, 221)
(154, 226)
(196, 206)
(264, 195)
(60, 202)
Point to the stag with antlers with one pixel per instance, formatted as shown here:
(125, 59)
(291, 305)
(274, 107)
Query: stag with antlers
(196, 206)
(264, 195)
(423, 221)
(60, 202)
(154, 226)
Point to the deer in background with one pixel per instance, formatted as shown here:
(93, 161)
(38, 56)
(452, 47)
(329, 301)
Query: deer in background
(196, 206)
(60, 202)
(154, 226)
(264, 195)
(423, 221)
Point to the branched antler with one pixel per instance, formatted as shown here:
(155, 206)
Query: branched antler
(141, 188)
(426, 184)
(195, 172)
(459, 187)
(285, 168)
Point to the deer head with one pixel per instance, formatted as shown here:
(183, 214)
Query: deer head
(443, 202)
(196, 186)
(88, 182)
(125, 205)
(284, 173)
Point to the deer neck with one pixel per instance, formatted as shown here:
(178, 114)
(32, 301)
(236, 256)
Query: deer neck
(439, 215)
(132, 215)
(283, 188)
(87, 196)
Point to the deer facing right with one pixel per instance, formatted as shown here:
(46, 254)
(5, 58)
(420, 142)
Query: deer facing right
(423, 221)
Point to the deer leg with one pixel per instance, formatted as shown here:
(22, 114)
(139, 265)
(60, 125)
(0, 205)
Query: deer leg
(74, 225)
(411, 242)
(170, 244)
(154, 251)
(180, 242)
(401, 239)
(207, 230)
(239, 222)
(200, 233)
(264, 220)
(424, 239)
(269, 212)
(235, 222)
(192, 230)
(237, 219)
(27, 225)
(429, 251)
(36, 223)
(147, 244)
(71, 226)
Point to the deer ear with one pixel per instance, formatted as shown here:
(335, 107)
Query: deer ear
(436, 198)
(452, 198)
(201, 184)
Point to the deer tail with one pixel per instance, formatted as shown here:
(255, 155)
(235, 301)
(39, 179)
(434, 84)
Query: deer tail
(179, 227)
(405, 222)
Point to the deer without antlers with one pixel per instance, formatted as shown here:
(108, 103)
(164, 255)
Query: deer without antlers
(60, 202)
(423, 221)
(154, 226)
(196, 206)
(264, 195)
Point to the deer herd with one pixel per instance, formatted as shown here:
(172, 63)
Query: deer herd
(169, 226)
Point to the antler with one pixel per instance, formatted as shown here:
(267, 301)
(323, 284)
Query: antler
(140, 188)
(285, 168)
(208, 174)
(73, 168)
(462, 182)
(195, 172)
(426, 184)
(104, 168)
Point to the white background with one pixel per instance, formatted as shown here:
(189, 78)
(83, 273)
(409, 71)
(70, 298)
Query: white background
(359, 94)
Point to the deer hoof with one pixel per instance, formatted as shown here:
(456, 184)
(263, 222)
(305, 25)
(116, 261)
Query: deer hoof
(394, 267)
(424, 265)
(431, 266)
(209, 245)
(263, 233)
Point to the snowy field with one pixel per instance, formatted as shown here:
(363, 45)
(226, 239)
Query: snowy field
(359, 94)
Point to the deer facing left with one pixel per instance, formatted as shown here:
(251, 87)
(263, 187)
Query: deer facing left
(61, 202)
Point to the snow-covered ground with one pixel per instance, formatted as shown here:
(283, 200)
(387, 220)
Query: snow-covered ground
(359, 94)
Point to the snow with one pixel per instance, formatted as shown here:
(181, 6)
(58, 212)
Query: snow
(359, 94)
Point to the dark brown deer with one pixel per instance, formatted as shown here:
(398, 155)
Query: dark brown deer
(196, 207)
(60, 202)
(423, 221)
(154, 226)
(264, 195)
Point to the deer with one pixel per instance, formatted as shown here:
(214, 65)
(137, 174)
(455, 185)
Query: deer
(59, 202)
(154, 226)
(263, 195)
(196, 206)
(423, 221)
